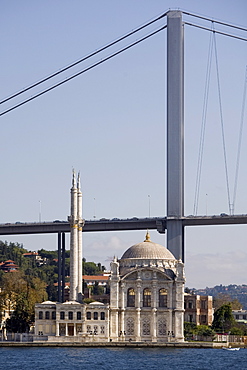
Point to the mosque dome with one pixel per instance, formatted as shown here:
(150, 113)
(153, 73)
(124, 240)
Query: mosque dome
(148, 250)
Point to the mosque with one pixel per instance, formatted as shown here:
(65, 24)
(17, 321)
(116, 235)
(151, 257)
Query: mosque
(146, 295)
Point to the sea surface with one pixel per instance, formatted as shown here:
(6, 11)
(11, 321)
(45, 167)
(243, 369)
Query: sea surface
(121, 358)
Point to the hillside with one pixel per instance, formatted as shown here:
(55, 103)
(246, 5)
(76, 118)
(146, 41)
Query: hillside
(238, 292)
(42, 264)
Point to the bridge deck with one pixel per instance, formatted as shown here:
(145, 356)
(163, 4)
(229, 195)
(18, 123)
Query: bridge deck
(158, 223)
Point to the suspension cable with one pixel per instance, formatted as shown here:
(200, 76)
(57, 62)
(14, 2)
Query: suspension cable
(83, 59)
(215, 21)
(240, 140)
(203, 125)
(82, 71)
(222, 124)
(219, 32)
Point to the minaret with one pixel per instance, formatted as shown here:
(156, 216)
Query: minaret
(74, 241)
(80, 225)
(76, 225)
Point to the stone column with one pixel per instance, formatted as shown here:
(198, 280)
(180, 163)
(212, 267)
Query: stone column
(154, 311)
(57, 328)
(84, 329)
(138, 311)
(122, 326)
(154, 325)
(66, 329)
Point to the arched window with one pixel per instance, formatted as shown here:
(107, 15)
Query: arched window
(146, 297)
(47, 315)
(131, 298)
(62, 315)
(40, 315)
(70, 315)
(162, 297)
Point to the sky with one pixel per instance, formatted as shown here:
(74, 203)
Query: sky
(110, 124)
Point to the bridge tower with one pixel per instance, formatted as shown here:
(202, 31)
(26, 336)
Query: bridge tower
(175, 134)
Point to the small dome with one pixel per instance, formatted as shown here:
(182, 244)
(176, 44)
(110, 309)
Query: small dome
(148, 250)
(48, 302)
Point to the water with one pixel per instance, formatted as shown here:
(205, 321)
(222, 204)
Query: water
(121, 358)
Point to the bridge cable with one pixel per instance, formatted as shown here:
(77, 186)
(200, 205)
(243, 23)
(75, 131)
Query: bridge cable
(240, 140)
(222, 124)
(82, 71)
(215, 21)
(83, 59)
(203, 126)
(215, 31)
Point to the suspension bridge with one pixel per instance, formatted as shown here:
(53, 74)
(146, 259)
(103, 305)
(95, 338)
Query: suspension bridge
(175, 221)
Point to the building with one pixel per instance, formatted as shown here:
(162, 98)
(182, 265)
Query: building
(35, 257)
(8, 266)
(198, 309)
(146, 296)
(240, 316)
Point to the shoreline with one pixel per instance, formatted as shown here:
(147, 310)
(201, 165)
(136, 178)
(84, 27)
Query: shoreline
(122, 344)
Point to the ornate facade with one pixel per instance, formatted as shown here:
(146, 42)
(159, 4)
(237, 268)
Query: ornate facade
(147, 294)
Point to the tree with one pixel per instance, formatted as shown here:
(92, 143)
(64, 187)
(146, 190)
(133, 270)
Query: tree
(21, 292)
(90, 268)
(205, 331)
(223, 318)
(222, 299)
(189, 329)
(97, 290)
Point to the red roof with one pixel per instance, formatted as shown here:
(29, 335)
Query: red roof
(30, 254)
(88, 278)
(95, 277)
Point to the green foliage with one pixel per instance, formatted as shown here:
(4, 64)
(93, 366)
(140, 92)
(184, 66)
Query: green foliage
(50, 255)
(97, 290)
(88, 300)
(192, 328)
(189, 329)
(236, 331)
(223, 319)
(22, 292)
(91, 268)
(205, 330)
(14, 252)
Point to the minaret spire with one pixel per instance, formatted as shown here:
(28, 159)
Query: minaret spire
(76, 225)
(73, 179)
(73, 240)
(80, 225)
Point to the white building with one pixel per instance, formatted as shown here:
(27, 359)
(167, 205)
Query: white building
(240, 315)
(146, 298)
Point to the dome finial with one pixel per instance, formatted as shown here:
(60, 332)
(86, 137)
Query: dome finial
(147, 237)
